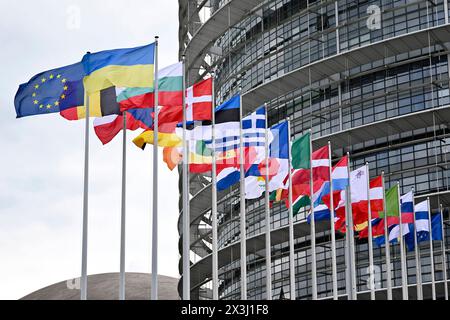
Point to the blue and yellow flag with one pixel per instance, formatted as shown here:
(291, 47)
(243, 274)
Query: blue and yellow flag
(51, 91)
(129, 68)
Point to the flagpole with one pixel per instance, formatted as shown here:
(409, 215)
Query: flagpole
(332, 231)
(348, 274)
(154, 293)
(417, 254)
(291, 222)
(444, 254)
(350, 228)
(370, 236)
(123, 213)
(267, 218)
(83, 284)
(387, 245)
(402, 250)
(313, 224)
(433, 280)
(243, 229)
(186, 229)
(215, 259)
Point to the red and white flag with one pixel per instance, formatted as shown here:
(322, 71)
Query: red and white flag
(199, 101)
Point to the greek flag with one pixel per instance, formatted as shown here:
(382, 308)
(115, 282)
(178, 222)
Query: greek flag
(253, 132)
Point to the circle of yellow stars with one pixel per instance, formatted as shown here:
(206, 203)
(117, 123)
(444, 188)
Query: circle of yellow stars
(41, 82)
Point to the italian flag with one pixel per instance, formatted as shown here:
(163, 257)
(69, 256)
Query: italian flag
(300, 157)
(170, 91)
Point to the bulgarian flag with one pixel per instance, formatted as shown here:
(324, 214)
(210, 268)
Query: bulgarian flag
(170, 91)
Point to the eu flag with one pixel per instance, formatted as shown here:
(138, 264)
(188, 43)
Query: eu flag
(51, 91)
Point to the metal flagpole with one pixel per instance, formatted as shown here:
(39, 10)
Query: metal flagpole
(348, 275)
(243, 228)
(444, 254)
(387, 245)
(83, 284)
(185, 178)
(350, 228)
(215, 259)
(417, 255)
(123, 213)
(267, 209)
(402, 250)
(154, 289)
(313, 223)
(433, 280)
(332, 231)
(370, 243)
(291, 221)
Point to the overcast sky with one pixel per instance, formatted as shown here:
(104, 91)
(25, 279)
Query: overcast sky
(42, 157)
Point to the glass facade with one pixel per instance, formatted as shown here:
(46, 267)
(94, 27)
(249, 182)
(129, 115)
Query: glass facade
(282, 36)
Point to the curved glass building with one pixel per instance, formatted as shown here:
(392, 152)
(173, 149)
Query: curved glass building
(371, 77)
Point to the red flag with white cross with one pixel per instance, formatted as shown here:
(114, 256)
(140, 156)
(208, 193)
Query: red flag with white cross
(199, 101)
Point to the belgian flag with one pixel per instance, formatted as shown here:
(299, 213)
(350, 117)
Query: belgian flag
(101, 103)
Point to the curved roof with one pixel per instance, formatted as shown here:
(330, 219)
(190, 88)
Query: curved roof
(106, 287)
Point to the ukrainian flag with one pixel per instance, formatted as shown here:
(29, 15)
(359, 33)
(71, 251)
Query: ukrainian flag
(130, 68)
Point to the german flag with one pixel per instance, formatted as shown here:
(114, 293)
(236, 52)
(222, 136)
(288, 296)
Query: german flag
(101, 103)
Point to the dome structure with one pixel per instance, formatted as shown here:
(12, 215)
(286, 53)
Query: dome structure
(105, 286)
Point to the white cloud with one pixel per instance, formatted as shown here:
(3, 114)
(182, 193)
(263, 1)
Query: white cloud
(41, 180)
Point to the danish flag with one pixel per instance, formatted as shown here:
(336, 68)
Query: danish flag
(199, 101)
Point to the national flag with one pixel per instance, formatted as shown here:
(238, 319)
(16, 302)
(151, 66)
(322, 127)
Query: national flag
(407, 207)
(228, 173)
(321, 179)
(199, 101)
(376, 202)
(321, 212)
(165, 139)
(253, 139)
(300, 159)
(394, 232)
(172, 157)
(130, 68)
(227, 127)
(340, 180)
(51, 91)
(393, 210)
(377, 229)
(227, 118)
(301, 190)
(301, 150)
(254, 135)
(359, 195)
(170, 91)
(423, 226)
(101, 103)
(422, 220)
(106, 128)
(278, 157)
